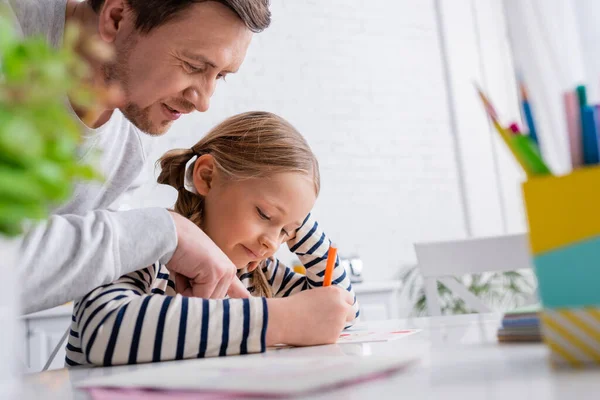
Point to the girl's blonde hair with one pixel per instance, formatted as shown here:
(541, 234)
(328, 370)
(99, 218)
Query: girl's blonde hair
(250, 145)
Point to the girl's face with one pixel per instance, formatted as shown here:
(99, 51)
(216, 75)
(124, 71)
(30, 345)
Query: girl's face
(250, 219)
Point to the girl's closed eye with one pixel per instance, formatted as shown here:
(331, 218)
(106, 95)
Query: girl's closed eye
(262, 214)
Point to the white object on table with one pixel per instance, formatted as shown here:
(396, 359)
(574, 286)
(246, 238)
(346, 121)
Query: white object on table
(255, 375)
(43, 331)
(461, 360)
(377, 300)
(441, 261)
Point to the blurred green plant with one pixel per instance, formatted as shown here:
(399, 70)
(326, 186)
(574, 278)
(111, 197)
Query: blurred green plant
(38, 134)
(501, 291)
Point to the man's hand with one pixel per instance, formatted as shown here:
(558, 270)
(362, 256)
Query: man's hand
(201, 268)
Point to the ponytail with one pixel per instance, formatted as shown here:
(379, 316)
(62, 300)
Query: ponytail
(173, 169)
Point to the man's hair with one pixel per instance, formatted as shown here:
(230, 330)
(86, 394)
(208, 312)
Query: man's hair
(151, 14)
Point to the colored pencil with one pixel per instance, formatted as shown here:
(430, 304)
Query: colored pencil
(523, 148)
(528, 114)
(574, 127)
(331, 257)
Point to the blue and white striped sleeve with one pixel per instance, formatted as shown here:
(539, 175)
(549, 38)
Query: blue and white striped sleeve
(128, 322)
(311, 245)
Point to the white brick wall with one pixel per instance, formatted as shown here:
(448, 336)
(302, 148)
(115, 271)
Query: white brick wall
(363, 81)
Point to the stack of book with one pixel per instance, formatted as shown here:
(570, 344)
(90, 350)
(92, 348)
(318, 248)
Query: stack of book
(521, 325)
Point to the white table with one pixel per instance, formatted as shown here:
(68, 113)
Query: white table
(461, 360)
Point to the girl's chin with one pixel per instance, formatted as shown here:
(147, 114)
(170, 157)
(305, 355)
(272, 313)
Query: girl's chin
(251, 266)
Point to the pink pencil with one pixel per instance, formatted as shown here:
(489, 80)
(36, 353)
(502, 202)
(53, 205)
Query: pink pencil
(573, 116)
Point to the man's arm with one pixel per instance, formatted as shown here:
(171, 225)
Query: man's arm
(70, 255)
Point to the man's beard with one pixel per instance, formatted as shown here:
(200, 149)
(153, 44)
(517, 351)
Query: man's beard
(120, 73)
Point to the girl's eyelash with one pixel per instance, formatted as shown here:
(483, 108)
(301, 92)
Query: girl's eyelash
(266, 217)
(262, 214)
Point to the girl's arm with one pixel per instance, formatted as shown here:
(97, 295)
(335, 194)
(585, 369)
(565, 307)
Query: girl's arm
(124, 322)
(311, 245)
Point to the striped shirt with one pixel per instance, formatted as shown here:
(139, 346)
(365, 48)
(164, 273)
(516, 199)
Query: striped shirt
(141, 318)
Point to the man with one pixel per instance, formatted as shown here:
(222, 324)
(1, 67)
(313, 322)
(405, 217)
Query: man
(170, 55)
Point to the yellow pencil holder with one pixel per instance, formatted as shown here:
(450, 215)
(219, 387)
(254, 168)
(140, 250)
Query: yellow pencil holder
(563, 214)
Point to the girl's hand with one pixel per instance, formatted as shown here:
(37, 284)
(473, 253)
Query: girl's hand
(311, 317)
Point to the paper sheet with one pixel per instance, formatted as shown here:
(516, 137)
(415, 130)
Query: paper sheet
(255, 375)
(362, 336)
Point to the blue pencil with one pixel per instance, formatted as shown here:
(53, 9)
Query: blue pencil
(591, 154)
(528, 114)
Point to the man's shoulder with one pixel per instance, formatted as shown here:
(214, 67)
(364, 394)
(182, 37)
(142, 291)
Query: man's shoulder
(32, 15)
(39, 17)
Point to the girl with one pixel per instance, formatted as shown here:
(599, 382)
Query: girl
(250, 187)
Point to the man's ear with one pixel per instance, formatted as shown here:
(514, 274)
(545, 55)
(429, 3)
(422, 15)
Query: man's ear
(113, 17)
(204, 174)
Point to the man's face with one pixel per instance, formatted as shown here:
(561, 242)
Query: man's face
(174, 69)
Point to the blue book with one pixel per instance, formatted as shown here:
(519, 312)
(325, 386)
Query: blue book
(520, 322)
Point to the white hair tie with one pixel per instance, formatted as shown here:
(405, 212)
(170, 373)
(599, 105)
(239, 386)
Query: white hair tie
(188, 180)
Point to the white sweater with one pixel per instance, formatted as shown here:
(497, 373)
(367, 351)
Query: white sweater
(86, 243)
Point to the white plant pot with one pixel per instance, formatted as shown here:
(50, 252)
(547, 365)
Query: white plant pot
(10, 367)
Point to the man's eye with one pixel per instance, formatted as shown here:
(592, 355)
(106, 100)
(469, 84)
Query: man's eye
(192, 68)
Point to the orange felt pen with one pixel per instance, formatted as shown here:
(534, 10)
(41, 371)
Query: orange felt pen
(331, 256)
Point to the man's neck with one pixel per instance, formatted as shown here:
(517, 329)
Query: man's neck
(83, 14)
